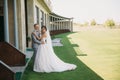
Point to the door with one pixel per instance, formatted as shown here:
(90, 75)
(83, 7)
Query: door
(1, 28)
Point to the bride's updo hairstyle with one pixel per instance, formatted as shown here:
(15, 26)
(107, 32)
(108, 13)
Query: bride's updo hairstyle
(44, 27)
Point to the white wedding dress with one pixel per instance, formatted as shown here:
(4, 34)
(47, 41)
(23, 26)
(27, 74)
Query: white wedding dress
(47, 61)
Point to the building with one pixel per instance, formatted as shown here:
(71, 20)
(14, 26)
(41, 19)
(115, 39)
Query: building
(13, 25)
(17, 18)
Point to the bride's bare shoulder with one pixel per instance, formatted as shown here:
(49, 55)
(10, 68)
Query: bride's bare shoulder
(45, 35)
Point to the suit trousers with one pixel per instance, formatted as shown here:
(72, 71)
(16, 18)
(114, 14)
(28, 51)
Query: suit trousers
(35, 52)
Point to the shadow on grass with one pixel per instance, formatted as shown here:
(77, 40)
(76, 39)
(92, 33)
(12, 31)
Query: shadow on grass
(78, 51)
(75, 45)
(67, 54)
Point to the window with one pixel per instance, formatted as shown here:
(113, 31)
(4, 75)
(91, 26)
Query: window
(42, 18)
(45, 20)
(37, 14)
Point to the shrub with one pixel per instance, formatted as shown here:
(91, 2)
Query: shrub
(110, 23)
(93, 22)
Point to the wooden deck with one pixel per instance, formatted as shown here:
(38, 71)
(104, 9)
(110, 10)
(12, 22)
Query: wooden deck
(10, 55)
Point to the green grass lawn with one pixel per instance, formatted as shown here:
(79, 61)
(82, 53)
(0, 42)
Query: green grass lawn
(102, 50)
(68, 54)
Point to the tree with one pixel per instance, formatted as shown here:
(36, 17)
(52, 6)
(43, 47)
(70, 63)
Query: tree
(110, 23)
(93, 22)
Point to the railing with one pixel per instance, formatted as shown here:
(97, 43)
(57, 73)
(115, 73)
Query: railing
(55, 32)
(10, 55)
(5, 72)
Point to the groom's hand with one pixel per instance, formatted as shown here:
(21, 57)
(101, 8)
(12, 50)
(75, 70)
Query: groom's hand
(42, 42)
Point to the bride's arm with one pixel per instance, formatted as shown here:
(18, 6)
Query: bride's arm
(43, 36)
(39, 38)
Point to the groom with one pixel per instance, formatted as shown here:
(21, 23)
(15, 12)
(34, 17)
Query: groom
(35, 42)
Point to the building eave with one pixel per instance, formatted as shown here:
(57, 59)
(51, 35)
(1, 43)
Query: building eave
(44, 4)
(54, 14)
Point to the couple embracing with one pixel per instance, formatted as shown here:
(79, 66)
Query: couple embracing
(45, 59)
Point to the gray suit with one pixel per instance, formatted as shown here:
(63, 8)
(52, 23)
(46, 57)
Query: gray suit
(35, 42)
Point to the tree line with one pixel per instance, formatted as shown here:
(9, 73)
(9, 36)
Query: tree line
(108, 23)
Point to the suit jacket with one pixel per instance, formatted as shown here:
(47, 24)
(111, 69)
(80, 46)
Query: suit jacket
(35, 42)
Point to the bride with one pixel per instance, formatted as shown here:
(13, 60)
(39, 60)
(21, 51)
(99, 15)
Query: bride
(46, 60)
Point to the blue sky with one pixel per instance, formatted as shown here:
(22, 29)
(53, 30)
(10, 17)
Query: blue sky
(86, 10)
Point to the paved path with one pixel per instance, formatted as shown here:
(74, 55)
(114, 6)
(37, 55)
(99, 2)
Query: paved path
(22, 68)
(57, 42)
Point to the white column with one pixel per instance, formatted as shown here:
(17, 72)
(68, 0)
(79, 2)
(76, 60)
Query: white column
(62, 25)
(55, 27)
(50, 23)
(6, 24)
(59, 24)
(53, 24)
(56, 23)
(65, 24)
(69, 25)
(15, 25)
(72, 24)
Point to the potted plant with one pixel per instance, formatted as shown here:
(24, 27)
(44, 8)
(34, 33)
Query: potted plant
(28, 41)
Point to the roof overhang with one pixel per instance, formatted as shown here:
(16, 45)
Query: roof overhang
(44, 4)
(56, 15)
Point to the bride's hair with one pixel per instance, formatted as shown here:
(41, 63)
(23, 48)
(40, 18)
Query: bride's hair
(44, 27)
